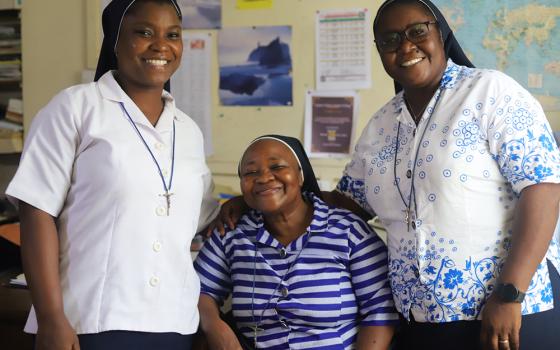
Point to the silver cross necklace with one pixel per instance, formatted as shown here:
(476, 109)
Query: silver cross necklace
(410, 173)
(166, 187)
(256, 323)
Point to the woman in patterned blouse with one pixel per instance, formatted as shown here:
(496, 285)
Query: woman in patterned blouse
(462, 169)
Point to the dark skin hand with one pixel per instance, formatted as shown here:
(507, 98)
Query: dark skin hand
(39, 252)
(375, 337)
(536, 216)
(230, 212)
(219, 335)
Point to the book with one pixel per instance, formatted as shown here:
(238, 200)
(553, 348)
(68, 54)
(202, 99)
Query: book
(14, 112)
(18, 281)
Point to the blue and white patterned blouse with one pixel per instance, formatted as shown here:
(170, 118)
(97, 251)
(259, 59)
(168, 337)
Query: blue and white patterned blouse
(482, 139)
(337, 283)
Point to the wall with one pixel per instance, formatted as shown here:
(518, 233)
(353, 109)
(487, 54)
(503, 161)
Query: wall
(287, 120)
(53, 49)
(63, 37)
(234, 127)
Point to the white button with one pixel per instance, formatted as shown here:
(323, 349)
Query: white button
(154, 281)
(159, 146)
(156, 246)
(165, 172)
(160, 211)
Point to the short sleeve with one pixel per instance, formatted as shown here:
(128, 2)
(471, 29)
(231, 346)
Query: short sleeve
(209, 207)
(352, 182)
(521, 141)
(213, 269)
(45, 170)
(368, 269)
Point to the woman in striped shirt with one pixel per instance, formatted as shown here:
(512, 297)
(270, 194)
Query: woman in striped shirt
(302, 274)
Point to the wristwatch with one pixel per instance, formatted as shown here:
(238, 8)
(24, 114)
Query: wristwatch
(508, 293)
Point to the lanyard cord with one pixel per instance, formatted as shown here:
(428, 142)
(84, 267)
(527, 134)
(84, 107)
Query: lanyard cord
(257, 323)
(412, 188)
(166, 187)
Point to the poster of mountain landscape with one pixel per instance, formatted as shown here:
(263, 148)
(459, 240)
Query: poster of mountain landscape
(255, 66)
(201, 14)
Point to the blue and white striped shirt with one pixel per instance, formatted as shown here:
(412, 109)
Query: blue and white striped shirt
(338, 283)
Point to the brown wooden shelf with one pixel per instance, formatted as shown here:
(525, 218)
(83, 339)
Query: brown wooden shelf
(12, 144)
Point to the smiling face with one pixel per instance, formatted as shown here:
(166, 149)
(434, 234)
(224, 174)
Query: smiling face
(270, 177)
(150, 45)
(414, 66)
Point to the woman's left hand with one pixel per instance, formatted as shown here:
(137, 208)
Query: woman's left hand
(501, 323)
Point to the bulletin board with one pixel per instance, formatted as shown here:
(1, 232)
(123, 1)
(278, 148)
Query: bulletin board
(234, 127)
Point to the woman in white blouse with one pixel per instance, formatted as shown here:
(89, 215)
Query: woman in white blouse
(462, 169)
(111, 187)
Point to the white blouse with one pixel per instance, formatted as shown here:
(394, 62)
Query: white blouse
(458, 174)
(124, 264)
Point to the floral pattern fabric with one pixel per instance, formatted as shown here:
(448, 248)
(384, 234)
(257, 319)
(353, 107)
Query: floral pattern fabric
(482, 139)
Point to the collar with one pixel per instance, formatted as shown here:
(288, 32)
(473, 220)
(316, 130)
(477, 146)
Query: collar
(403, 115)
(450, 75)
(319, 224)
(110, 90)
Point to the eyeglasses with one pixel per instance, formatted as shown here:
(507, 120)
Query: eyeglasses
(415, 33)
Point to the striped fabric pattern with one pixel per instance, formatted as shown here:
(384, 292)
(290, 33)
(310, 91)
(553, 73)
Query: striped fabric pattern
(338, 283)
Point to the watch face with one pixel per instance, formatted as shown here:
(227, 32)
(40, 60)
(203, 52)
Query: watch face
(509, 292)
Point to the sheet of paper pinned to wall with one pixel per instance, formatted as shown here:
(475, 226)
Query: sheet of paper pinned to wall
(254, 4)
(330, 123)
(191, 84)
(201, 14)
(343, 44)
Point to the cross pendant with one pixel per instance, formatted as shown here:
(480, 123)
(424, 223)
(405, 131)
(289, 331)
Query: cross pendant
(407, 218)
(256, 330)
(167, 196)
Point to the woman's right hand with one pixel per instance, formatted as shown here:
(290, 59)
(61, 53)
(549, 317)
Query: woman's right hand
(229, 214)
(56, 333)
(221, 337)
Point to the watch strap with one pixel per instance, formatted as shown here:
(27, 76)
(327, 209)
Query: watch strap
(509, 293)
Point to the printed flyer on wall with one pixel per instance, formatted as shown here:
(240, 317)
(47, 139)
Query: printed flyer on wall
(330, 121)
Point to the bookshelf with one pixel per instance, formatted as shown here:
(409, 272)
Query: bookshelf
(11, 114)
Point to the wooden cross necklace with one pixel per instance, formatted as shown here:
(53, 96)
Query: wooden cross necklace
(166, 187)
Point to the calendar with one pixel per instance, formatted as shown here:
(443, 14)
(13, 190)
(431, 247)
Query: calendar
(343, 44)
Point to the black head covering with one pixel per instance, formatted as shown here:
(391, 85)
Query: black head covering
(309, 180)
(111, 21)
(450, 45)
